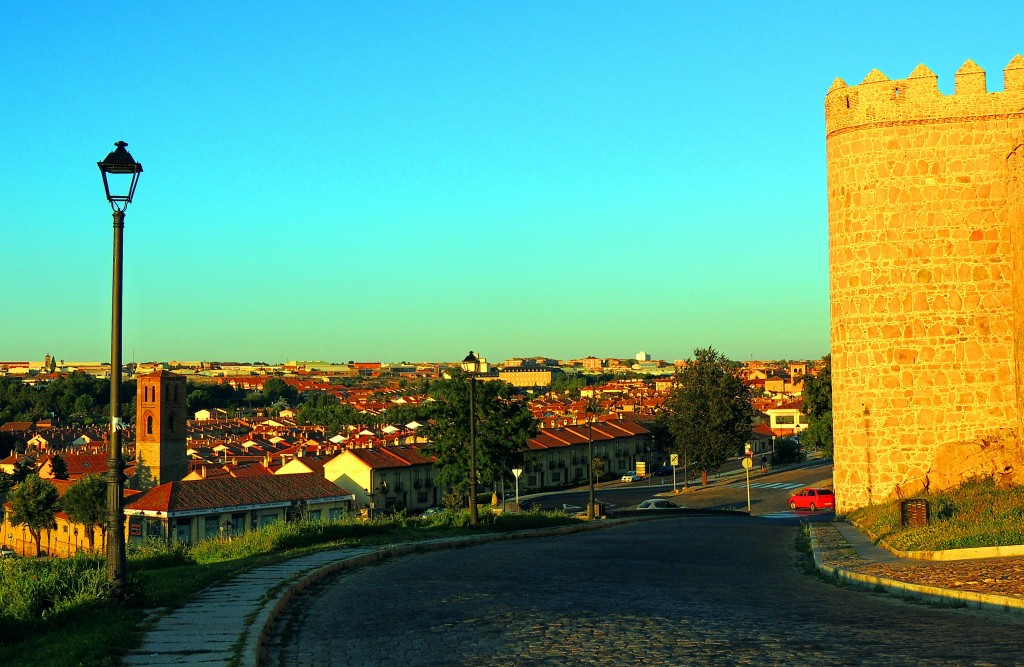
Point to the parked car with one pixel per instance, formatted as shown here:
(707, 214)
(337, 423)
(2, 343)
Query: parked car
(813, 499)
(8, 553)
(657, 504)
(631, 476)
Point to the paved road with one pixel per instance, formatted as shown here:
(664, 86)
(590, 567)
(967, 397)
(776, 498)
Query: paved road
(769, 492)
(678, 591)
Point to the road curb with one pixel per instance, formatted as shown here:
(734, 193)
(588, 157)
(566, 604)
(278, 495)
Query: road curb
(986, 601)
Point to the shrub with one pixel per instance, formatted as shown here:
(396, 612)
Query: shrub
(154, 552)
(786, 451)
(38, 589)
(975, 514)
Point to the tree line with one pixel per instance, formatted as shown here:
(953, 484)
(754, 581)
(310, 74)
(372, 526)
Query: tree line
(34, 502)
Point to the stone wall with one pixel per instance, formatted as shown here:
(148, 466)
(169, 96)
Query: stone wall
(922, 262)
(1015, 201)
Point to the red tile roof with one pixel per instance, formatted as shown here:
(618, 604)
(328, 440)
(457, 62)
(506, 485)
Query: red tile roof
(228, 492)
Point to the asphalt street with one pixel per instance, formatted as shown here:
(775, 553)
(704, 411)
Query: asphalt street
(691, 590)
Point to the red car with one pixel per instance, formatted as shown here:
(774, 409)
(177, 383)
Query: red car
(813, 499)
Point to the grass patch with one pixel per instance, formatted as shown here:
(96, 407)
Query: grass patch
(975, 514)
(57, 611)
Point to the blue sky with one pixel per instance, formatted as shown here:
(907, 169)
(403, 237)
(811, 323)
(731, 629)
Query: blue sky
(409, 181)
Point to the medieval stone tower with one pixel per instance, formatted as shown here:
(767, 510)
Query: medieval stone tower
(160, 419)
(926, 258)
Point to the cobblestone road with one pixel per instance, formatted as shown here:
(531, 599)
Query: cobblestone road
(680, 591)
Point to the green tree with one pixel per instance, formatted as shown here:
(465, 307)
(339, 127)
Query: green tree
(325, 410)
(86, 503)
(276, 390)
(23, 467)
(60, 467)
(504, 425)
(6, 484)
(817, 395)
(34, 503)
(710, 415)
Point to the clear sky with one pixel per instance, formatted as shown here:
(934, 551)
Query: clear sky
(413, 180)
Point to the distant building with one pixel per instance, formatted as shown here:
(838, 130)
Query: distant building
(528, 377)
(206, 508)
(160, 425)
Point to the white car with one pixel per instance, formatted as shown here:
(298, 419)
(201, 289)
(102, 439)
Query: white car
(657, 504)
(631, 476)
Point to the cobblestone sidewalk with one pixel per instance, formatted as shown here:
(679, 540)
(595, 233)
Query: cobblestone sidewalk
(993, 583)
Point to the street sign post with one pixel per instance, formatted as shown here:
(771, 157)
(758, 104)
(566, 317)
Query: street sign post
(747, 464)
(517, 472)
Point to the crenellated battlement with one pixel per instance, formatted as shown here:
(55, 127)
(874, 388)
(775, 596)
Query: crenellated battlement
(916, 98)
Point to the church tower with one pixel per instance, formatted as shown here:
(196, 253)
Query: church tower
(160, 418)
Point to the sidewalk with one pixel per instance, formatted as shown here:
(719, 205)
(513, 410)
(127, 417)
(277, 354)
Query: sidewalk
(843, 551)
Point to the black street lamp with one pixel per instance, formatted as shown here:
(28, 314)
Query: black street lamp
(121, 171)
(471, 366)
(591, 409)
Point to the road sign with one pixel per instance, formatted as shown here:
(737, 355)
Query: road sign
(517, 472)
(747, 463)
(673, 459)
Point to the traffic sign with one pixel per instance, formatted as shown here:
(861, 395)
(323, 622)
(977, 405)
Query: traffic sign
(747, 463)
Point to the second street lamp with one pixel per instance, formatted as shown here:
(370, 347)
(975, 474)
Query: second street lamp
(120, 176)
(471, 366)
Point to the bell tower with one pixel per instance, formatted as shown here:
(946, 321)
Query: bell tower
(160, 419)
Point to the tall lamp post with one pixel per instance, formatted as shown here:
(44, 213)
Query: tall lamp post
(471, 366)
(120, 176)
(591, 409)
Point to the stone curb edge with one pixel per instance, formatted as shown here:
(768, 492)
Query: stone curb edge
(253, 652)
(928, 593)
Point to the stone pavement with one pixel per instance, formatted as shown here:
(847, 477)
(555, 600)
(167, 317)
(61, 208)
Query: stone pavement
(843, 551)
(226, 624)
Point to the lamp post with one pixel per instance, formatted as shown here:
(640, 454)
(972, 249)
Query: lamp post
(121, 171)
(471, 365)
(591, 408)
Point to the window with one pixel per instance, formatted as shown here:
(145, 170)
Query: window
(421, 497)
(154, 528)
(267, 519)
(183, 531)
(335, 513)
(314, 515)
(784, 419)
(149, 424)
(170, 423)
(212, 526)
